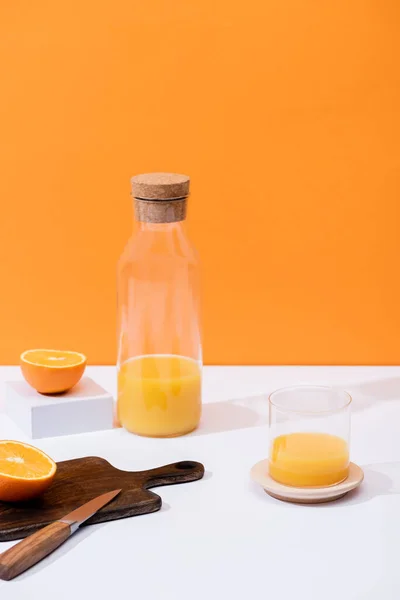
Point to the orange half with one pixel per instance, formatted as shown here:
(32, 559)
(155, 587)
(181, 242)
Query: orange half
(52, 371)
(25, 472)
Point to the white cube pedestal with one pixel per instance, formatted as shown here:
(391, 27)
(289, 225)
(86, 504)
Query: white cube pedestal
(86, 407)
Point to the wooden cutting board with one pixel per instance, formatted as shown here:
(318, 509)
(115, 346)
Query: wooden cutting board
(78, 481)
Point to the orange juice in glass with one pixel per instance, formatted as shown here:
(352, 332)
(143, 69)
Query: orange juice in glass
(309, 436)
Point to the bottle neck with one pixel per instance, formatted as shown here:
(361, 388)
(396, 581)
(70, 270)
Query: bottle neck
(144, 226)
(162, 238)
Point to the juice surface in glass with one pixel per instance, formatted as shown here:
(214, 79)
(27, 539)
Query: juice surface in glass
(159, 394)
(309, 459)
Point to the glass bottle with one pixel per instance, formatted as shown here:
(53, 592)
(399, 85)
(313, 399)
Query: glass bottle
(159, 341)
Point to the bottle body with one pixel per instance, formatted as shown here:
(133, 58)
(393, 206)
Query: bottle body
(159, 342)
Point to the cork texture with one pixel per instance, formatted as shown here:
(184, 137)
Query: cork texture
(160, 211)
(160, 186)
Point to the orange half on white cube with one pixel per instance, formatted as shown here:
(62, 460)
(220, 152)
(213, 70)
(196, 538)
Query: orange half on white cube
(52, 371)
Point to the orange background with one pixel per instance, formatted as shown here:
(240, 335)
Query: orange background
(287, 116)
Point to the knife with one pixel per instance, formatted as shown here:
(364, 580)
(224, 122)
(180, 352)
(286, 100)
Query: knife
(37, 546)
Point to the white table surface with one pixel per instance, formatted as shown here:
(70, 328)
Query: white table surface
(223, 537)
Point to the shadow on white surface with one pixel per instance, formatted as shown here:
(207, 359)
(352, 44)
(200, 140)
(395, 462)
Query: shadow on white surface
(366, 395)
(380, 479)
(233, 414)
(69, 545)
(243, 413)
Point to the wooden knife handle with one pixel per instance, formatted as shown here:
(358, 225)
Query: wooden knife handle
(32, 550)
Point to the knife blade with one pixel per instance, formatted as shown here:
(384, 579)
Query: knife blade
(78, 516)
(37, 546)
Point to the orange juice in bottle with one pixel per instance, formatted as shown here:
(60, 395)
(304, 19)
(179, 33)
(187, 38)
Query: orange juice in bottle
(159, 343)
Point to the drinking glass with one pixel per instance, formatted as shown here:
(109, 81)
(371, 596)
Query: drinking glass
(309, 428)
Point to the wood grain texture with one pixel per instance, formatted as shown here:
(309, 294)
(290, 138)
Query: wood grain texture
(80, 480)
(33, 549)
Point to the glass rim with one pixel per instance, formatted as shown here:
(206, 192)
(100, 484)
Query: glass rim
(325, 388)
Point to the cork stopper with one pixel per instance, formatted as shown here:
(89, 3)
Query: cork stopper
(160, 197)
